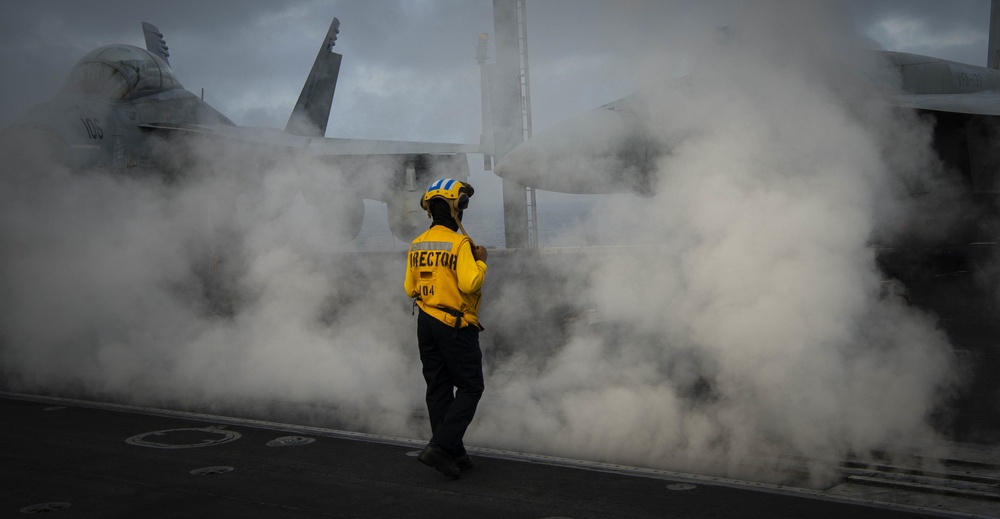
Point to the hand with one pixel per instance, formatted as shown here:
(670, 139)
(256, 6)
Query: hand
(480, 253)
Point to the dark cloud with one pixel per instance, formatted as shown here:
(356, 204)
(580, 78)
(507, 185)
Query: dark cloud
(956, 31)
(409, 69)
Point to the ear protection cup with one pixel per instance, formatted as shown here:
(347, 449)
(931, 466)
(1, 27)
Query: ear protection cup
(463, 202)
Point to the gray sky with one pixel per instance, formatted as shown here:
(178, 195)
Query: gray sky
(409, 70)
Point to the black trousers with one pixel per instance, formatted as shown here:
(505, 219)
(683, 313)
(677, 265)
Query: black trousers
(453, 369)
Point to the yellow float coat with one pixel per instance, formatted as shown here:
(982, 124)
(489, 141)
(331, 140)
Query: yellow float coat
(443, 275)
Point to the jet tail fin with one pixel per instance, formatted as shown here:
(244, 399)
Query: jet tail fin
(312, 111)
(993, 59)
(155, 42)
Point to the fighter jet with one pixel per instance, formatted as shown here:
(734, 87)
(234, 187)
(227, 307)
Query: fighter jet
(964, 101)
(123, 111)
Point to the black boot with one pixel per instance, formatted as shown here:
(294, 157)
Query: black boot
(434, 456)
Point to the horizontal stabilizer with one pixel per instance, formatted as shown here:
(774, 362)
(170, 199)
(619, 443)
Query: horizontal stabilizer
(155, 42)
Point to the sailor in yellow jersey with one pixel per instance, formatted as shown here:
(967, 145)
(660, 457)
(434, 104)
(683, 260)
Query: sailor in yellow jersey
(445, 272)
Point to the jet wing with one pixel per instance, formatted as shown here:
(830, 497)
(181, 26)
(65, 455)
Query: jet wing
(334, 146)
(316, 146)
(977, 103)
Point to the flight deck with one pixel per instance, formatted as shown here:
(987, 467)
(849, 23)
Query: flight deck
(74, 458)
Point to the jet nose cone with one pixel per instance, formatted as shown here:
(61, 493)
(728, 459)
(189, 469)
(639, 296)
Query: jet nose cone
(601, 151)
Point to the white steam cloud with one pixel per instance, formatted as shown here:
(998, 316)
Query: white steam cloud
(224, 290)
(754, 322)
(750, 323)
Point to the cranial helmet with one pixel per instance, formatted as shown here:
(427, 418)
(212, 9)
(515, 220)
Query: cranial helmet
(454, 192)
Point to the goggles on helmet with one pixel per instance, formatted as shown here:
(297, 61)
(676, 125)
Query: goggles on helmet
(455, 192)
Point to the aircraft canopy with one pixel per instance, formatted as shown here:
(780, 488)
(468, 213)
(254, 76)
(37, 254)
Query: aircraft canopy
(121, 72)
